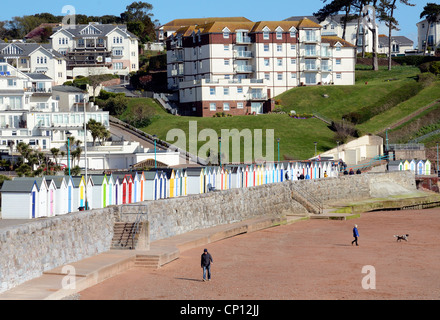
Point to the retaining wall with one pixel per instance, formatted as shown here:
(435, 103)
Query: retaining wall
(29, 249)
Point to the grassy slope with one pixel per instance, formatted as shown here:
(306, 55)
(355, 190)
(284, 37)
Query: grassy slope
(297, 136)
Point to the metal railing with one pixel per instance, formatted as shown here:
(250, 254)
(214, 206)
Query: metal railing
(310, 200)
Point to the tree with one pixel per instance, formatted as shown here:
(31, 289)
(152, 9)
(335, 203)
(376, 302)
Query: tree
(138, 19)
(333, 8)
(431, 13)
(97, 130)
(386, 14)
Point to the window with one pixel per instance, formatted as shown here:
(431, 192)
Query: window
(226, 106)
(239, 105)
(226, 34)
(23, 61)
(212, 91)
(279, 76)
(338, 61)
(292, 34)
(280, 62)
(267, 76)
(118, 52)
(240, 90)
(226, 62)
(212, 106)
(226, 91)
(279, 48)
(227, 76)
(279, 35)
(226, 47)
(12, 82)
(266, 47)
(338, 48)
(266, 62)
(266, 35)
(293, 47)
(338, 76)
(293, 75)
(292, 61)
(118, 65)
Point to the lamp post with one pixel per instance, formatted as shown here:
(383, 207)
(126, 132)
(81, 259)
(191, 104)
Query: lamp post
(278, 142)
(155, 161)
(68, 135)
(386, 137)
(85, 152)
(220, 151)
(316, 143)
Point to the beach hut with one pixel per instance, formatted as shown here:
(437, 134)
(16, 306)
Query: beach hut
(413, 165)
(79, 196)
(42, 196)
(427, 167)
(110, 190)
(99, 191)
(51, 190)
(406, 165)
(70, 190)
(420, 167)
(20, 199)
(61, 205)
(117, 194)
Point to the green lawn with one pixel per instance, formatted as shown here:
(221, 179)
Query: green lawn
(297, 136)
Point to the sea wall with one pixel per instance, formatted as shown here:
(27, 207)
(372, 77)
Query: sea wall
(29, 249)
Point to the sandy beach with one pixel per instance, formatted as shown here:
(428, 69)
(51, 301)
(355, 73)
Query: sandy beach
(306, 260)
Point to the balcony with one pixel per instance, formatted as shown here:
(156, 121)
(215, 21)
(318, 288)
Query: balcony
(177, 73)
(240, 54)
(243, 39)
(243, 69)
(325, 68)
(176, 58)
(258, 96)
(311, 68)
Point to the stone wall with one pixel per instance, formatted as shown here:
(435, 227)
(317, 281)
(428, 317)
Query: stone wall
(29, 249)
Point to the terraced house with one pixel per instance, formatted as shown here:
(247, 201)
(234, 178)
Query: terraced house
(239, 67)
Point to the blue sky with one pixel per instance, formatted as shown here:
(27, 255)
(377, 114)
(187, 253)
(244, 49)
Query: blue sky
(167, 10)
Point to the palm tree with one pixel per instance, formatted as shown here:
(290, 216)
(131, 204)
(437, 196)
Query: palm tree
(431, 13)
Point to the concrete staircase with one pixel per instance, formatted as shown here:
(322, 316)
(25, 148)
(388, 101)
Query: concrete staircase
(147, 261)
(125, 235)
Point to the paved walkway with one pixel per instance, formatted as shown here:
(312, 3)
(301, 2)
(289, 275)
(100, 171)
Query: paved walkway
(93, 270)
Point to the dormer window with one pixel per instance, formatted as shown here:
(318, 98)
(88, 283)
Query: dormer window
(266, 31)
(226, 32)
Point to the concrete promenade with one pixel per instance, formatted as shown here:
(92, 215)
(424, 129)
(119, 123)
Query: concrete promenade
(93, 270)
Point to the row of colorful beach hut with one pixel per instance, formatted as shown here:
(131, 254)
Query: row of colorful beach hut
(27, 198)
(419, 167)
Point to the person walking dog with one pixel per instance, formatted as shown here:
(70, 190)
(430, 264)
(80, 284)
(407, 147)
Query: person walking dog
(355, 235)
(206, 264)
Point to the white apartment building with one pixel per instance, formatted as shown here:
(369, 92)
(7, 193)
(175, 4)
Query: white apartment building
(400, 45)
(30, 112)
(35, 58)
(239, 67)
(433, 35)
(333, 26)
(97, 49)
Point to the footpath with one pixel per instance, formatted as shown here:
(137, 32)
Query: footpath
(66, 281)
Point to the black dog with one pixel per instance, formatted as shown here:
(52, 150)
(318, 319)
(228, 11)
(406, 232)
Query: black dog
(402, 237)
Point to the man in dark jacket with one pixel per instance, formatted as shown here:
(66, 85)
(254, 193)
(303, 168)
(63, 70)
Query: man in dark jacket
(355, 235)
(206, 264)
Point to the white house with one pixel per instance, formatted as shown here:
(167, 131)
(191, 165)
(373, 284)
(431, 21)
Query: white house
(96, 48)
(400, 45)
(35, 58)
(430, 33)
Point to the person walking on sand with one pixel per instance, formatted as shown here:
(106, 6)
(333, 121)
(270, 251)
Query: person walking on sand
(355, 235)
(206, 264)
